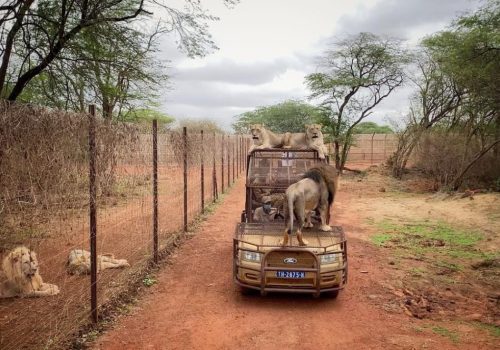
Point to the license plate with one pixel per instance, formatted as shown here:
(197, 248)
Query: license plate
(290, 274)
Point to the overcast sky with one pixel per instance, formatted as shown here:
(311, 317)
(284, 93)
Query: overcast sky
(267, 47)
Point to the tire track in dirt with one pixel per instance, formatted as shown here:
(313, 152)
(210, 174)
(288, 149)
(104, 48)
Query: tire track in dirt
(196, 305)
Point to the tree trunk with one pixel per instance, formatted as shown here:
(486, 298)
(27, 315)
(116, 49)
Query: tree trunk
(337, 154)
(10, 42)
(460, 177)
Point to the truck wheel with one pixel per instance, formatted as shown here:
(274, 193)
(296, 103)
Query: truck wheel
(331, 294)
(247, 291)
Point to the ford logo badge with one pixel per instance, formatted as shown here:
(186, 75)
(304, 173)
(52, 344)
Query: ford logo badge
(290, 261)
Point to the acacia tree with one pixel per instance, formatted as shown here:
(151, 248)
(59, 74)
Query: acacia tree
(437, 97)
(287, 116)
(36, 33)
(355, 75)
(108, 64)
(458, 89)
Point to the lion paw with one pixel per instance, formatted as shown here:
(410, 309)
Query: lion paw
(303, 242)
(283, 241)
(325, 228)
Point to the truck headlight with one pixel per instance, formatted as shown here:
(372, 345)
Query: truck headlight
(250, 256)
(329, 258)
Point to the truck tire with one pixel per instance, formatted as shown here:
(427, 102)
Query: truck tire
(332, 294)
(248, 291)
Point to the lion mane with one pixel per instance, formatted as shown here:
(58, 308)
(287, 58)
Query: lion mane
(329, 175)
(23, 278)
(315, 191)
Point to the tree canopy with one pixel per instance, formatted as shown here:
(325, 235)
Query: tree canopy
(355, 75)
(71, 53)
(287, 116)
(458, 90)
(372, 128)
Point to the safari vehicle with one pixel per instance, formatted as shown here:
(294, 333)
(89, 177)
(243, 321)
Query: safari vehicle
(260, 263)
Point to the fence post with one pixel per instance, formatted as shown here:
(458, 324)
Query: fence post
(385, 142)
(237, 145)
(222, 164)
(93, 213)
(202, 176)
(214, 172)
(228, 160)
(184, 134)
(234, 154)
(155, 191)
(371, 158)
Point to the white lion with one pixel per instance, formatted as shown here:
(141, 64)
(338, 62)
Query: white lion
(263, 138)
(23, 279)
(79, 262)
(312, 138)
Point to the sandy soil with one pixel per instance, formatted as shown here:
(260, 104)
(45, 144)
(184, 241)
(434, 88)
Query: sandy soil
(195, 304)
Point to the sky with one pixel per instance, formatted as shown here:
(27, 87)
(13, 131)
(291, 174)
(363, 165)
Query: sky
(267, 47)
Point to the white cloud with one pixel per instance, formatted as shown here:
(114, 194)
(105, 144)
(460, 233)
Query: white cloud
(267, 47)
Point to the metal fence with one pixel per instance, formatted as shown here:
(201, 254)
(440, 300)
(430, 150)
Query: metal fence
(372, 148)
(74, 181)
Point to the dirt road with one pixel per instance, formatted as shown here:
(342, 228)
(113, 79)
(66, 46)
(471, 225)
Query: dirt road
(195, 304)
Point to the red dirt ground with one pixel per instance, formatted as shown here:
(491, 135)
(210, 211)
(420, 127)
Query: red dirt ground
(195, 304)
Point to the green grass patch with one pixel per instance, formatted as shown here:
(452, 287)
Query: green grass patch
(380, 239)
(491, 329)
(448, 265)
(417, 271)
(445, 332)
(423, 238)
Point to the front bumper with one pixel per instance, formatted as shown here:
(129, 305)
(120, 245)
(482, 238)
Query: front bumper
(318, 278)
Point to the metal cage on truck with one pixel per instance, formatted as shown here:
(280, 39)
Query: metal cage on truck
(259, 262)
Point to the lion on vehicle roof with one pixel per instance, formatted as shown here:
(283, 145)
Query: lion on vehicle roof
(23, 278)
(312, 138)
(263, 138)
(316, 190)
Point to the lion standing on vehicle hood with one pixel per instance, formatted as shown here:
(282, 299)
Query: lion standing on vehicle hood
(316, 190)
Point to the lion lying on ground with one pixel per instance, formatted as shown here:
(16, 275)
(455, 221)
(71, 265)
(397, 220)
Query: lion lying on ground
(79, 262)
(316, 190)
(263, 138)
(21, 270)
(312, 138)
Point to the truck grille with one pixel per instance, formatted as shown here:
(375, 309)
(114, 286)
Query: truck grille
(303, 259)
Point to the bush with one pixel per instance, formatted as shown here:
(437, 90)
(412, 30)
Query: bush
(443, 156)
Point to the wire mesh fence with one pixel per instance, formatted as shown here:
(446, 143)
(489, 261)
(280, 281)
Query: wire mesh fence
(45, 202)
(369, 149)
